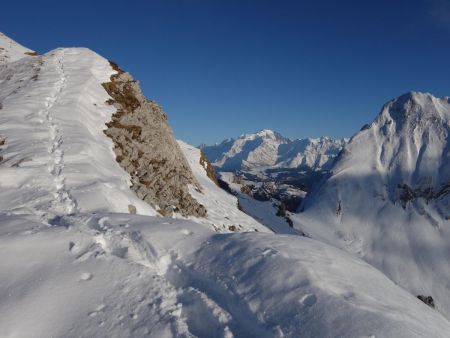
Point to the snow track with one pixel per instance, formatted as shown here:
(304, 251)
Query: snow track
(64, 202)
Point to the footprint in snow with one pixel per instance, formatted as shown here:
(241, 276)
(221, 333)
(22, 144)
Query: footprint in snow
(309, 300)
(269, 252)
(72, 246)
(99, 308)
(85, 276)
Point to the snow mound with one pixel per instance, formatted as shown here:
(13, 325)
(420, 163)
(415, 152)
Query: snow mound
(119, 275)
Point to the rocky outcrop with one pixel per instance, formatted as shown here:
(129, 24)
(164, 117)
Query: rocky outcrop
(427, 300)
(146, 148)
(209, 168)
(428, 193)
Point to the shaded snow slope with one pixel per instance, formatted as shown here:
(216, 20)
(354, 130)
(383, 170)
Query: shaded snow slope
(119, 275)
(387, 197)
(54, 155)
(268, 149)
(264, 212)
(223, 213)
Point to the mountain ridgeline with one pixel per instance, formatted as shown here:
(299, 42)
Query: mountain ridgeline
(267, 149)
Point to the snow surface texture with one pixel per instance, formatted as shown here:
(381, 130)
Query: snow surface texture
(74, 266)
(387, 197)
(268, 149)
(121, 275)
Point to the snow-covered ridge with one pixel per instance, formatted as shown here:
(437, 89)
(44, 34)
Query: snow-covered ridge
(387, 199)
(11, 51)
(55, 157)
(267, 148)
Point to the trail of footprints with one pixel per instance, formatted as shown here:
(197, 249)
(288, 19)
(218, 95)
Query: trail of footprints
(63, 201)
(121, 243)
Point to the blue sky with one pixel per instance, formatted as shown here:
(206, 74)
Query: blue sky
(223, 68)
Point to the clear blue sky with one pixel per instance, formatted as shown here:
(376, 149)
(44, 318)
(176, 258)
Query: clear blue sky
(223, 68)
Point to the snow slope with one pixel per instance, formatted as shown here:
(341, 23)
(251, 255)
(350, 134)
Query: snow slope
(223, 211)
(268, 149)
(121, 275)
(387, 197)
(264, 212)
(75, 263)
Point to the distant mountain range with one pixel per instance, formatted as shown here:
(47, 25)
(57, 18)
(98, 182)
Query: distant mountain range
(268, 149)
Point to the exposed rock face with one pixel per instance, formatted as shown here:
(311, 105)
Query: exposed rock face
(427, 300)
(209, 168)
(146, 148)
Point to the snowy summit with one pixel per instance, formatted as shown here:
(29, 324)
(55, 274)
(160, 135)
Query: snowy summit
(387, 199)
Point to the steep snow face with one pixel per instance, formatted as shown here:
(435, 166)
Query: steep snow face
(387, 197)
(54, 157)
(118, 275)
(223, 213)
(11, 51)
(315, 154)
(269, 149)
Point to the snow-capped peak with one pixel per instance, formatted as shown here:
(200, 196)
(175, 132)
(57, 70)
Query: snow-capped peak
(389, 195)
(416, 105)
(267, 133)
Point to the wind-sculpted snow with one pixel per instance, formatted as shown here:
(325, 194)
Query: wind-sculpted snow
(387, 198)
(121, 275)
